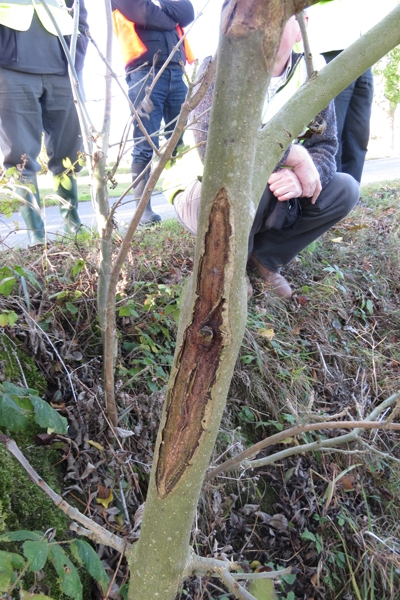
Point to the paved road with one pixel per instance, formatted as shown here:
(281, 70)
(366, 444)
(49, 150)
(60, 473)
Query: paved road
(382, 169)
(10, 236)
(374, 171)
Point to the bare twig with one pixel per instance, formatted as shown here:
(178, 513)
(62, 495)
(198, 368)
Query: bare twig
(125, 93)
(237, 590)
(307, 50)
(357, 426)
(101, 535)
(109, 332)
(37, 326)
(198, 565)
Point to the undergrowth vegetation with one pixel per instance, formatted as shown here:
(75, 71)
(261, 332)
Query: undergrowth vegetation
(330, 353)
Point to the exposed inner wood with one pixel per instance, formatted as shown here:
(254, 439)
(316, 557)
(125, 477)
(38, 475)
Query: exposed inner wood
(188, 400)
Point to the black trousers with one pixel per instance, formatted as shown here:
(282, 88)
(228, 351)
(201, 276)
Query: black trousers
(353, 114)
(277, 248)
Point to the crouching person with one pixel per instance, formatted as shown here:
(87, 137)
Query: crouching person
(304, 197)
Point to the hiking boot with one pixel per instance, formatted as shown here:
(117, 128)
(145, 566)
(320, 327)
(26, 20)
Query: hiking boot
(69, 209)
(149, 216)
(275, 281)
(30, 211)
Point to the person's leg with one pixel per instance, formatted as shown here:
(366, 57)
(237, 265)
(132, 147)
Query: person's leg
(142, 151)
(176, 97)
(275, 281)
(187, 206)
(275, 249)
(342, 102)
(63, 140)
(20, 141)
(356, 130)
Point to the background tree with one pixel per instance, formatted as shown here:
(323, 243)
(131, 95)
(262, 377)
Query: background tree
(389, 69)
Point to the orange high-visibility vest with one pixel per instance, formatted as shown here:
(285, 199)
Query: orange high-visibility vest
(131, 45)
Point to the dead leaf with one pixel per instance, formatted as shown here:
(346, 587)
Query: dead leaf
(104, 496)
(89, 469)
(123, 433)
(385, 493)
(347, 482)
(279, 522)
(337, 240)
(96, 445)
(269, 334)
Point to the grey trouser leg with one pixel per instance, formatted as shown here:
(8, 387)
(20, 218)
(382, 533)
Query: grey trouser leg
(30, 104)
(277, 248)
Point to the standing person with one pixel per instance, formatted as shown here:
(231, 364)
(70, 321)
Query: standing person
(333, 26)
(299, 203)
(147, 31)
(36, 97)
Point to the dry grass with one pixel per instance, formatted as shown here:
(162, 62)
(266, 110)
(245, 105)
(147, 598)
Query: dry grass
(331, 350)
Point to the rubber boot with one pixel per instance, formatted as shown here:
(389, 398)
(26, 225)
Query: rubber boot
(69, 212)
(148, 216)
(30, 211)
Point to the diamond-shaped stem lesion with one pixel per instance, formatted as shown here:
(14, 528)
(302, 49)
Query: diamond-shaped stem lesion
(189, 398)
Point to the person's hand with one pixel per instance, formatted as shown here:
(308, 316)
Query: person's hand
(303, 166)
(285, 184)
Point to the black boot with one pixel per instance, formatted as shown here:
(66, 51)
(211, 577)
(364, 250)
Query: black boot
(30, 211)
(69, 212)
(148, 215)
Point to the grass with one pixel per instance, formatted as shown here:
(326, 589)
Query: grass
(330, 352)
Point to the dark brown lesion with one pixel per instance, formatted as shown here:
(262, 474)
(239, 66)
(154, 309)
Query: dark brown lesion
(188, 399)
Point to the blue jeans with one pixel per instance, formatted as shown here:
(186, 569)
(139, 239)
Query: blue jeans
(353, 114)
(167, 97)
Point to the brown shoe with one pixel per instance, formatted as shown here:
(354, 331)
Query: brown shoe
(275, 281)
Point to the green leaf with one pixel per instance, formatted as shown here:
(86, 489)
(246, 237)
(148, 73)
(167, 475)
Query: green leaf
(7, 285)
(12, 416)
(20, 536)
(308, 535)
(70, 582)
(262, 589)
(28, 275)
(78, 266)
(8, 317)
(6, 570)
(67, 164)
(17, 561)
(65, 182)
(124, 312)
(84, 553)
(72, 308)
(47, 417)
(37, 554)
(28, 596)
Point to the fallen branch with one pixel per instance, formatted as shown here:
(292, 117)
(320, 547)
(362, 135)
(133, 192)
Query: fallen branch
(99, 534)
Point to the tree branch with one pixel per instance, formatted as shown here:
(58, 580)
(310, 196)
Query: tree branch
(100, 535)
(306, 44)
(294, 431)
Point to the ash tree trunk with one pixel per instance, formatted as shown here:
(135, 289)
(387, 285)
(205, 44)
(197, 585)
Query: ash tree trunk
(238, 162)
(214, 305)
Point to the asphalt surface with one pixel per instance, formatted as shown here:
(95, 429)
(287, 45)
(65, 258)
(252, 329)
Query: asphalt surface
(13, 233)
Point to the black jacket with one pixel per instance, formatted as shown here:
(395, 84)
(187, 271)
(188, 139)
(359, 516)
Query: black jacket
(156, 27)
(9, 41)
